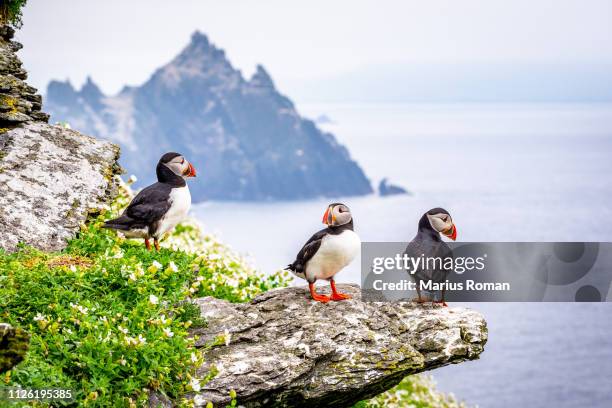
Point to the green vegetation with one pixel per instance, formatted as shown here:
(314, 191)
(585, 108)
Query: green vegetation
(416, 391)
(10, 12)
(109, 319)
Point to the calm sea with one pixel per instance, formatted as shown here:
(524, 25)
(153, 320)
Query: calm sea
(505, 173)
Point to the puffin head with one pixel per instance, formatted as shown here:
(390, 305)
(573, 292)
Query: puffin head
(176, 164)
(441, 221)
(337, 214)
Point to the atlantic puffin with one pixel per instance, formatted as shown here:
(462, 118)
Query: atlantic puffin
(328, 251)
(428, 244)
(159, 207)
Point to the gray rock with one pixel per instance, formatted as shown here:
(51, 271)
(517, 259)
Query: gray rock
(387, 189)
(287, 350)
(50, 177)
(18, 100)
(14, 344)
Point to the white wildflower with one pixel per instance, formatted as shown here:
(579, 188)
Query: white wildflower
(122, 361)
(157, 265)
(80, 308)
(40, 317)
(228, 337)
(139, 270)
(194, 357)
(73, 268)
(168, 332)
(129, 340)
(172, 266)
(132, 276)
(195, 384)
(123, 330)
(141, 339)
(153, 299)
(132, 179)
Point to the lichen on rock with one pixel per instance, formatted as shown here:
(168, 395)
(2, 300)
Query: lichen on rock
(19, 101)
(50, 177)
(13, 346)
(283, 349)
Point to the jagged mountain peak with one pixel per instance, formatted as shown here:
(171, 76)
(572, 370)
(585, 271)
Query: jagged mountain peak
(58, 84)
(200, 59)
(202, 49)
(90, 86)
(62, 91)
(90, 91)
(249, 138)
(200, 39)
(261, 78)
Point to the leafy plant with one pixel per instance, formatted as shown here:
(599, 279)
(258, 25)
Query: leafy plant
(418, 391)
(110, 320)
(10, 12)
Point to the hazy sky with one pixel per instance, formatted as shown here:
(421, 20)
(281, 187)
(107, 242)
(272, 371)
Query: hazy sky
(123, 42)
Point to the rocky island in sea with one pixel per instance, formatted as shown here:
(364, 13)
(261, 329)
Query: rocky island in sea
(249, 140)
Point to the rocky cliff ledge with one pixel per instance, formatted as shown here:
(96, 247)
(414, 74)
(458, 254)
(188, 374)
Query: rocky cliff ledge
(50, 177)
(18, 100)
(283, 349)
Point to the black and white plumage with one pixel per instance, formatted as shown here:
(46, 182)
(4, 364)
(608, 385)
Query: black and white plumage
(328, 251)
(159, 207)
(427, 244)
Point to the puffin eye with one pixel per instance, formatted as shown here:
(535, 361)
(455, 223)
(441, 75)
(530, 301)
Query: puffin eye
(340, 210)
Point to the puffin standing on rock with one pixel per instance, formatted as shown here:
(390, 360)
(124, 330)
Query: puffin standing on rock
(159, 207)
(428, 244)
(328, 251)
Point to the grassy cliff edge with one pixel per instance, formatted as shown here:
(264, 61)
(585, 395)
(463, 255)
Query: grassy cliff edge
(109, 319)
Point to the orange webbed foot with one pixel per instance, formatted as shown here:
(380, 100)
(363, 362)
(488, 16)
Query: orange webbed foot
(335, 294)
(340, 296)
(316, 296)
(321, 298)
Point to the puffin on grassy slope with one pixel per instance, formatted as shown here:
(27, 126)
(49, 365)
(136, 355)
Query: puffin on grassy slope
(159, 207)
(428, 244)
(328, 251)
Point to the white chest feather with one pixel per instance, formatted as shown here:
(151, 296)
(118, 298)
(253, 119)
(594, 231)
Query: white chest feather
(335, 252)
(180, 202)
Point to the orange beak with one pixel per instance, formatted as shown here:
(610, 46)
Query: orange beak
(191, 172)
(451, 232)
(326, 217)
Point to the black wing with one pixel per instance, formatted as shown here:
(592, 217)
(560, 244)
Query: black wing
(439, 250)
(308, 250)
(150, 204)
